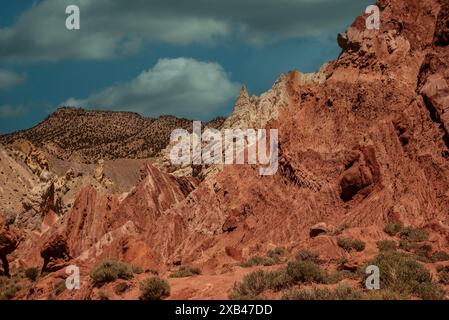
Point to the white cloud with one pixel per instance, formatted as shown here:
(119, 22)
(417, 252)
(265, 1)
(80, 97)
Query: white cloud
(11, 111)
(9, 79)
(110, 28)
(183, 87)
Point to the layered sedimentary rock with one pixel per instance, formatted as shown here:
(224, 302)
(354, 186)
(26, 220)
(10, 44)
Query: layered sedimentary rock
(362, 143)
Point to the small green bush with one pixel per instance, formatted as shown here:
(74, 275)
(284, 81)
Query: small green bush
(252, 286)
(258, 261)
(32, 273)
(414, 234)
(9, 293)
(345, 243)
(341, 292)
(403, 274)
(185, 271)
(136, 269)
(423, 253)
(305, 271)
(306, 255)
(407, 245)
(154, 288)
(336, 277)
(393, 229)
(111, 270)
(386, 294)
(349, 244)
(278, 280)
(276, 254)
(386, 245)
(444, 276)
(440, 256)
(429, 291)
(8, 288)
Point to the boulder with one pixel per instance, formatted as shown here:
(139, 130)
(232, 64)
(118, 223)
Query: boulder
(319, 228)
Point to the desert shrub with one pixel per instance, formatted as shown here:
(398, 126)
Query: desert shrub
(336, 277)
(258, 261)
(444, 276)
(386, 294)
(154, 288)
(386, 245)
(278, 280)
(429, 291)
(305, 271)
(298, 271)
(9, 293)
(392, 229)
(341, 292)
(440, 256)
(407, 245)
(276, 254)
(423, 253)
(273, 257)
(358, 245)
(403, 274)
(32, 273)
(414, 234)
(121, 287)
(251, 286)
(8, 288)
(349, 244)
(136, 269)
(345, 243)
(306, 255)
(110, 270)
(185, 271)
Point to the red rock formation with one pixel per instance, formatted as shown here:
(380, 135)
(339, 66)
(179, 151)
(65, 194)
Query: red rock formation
(367, 146)
(9, 241)
(100, 226)
(348, 148)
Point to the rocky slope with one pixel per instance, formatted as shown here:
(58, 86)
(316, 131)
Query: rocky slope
(87, 136)
(363, 144)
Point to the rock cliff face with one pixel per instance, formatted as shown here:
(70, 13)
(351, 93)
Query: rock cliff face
(348, 145)
(255, 112)
(362, 143)
(99, 223)
(9, 241)
(249, 113)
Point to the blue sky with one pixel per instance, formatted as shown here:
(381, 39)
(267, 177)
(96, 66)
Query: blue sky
(186, 58)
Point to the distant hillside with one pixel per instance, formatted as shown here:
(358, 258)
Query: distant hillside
(92, 135)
